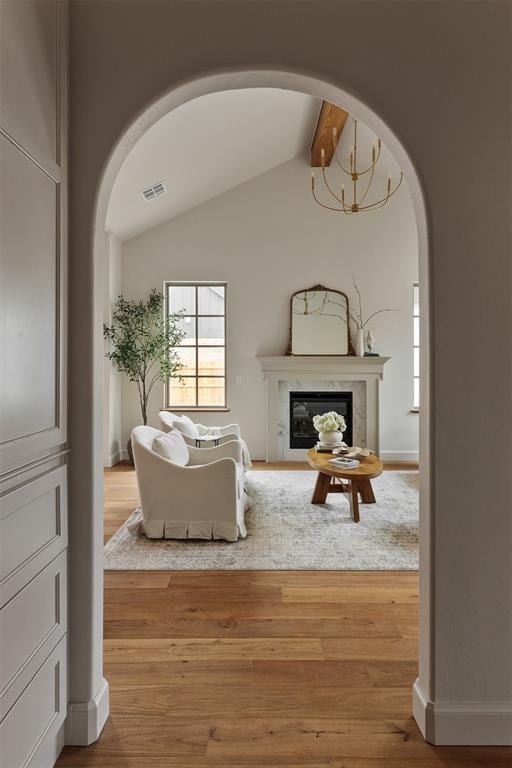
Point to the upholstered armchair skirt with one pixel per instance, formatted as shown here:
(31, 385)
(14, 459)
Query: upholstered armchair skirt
(188, 492)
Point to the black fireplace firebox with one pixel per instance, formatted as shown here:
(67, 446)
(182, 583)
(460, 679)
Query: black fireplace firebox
(305, 405)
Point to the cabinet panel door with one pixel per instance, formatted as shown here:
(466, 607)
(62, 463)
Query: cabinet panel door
(30, 364)
(33, 723)
(33, 529)
(31, 624)
(29, 59)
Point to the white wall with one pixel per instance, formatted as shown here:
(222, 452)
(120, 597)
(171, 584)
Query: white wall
(112, 379)
(267, 238)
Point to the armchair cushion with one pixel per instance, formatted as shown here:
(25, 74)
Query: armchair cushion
(185, 425)
(172, 447)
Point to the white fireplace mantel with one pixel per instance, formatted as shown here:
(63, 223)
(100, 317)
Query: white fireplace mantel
(272, 364)
(308, 372)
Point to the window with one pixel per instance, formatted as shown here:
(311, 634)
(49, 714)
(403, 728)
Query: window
(416, 346)
(203, 348)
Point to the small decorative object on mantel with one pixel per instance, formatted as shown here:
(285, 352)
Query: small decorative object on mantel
(360, 323)
(359, 342)
(330, 427)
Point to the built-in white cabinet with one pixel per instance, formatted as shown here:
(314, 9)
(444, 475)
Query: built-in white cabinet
(31, 624)
(36, 508)
(31, 734)
(33, 381)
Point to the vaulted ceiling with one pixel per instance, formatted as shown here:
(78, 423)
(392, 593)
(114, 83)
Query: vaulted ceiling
(206, 147)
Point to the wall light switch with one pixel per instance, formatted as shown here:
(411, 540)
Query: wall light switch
(238, 379)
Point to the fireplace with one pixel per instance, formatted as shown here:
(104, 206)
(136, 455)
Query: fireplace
(305, 405)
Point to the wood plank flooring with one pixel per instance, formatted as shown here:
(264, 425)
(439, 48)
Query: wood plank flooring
(260, 669)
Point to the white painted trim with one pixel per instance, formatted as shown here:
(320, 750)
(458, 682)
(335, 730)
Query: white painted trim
(419, 711)
(299, 364)
(114, 458)
(86, 718)
(400, 455)
(124, 455)
(465, 724)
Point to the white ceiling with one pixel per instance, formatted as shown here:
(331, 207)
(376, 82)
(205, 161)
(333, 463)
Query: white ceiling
(206, 147)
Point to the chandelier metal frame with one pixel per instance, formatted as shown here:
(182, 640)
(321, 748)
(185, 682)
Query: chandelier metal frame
(357, 202)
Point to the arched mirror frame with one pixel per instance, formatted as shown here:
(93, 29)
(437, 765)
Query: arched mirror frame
(350, 349)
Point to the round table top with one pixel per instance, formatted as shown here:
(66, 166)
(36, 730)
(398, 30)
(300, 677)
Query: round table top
(369, 467)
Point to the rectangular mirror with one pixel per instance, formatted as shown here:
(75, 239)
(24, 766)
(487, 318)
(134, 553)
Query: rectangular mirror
(319, 322)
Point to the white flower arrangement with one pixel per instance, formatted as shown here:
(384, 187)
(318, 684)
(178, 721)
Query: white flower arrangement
(329, 422)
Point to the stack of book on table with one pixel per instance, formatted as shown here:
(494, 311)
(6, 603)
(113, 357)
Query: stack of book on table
(343, 463)
(323, 448)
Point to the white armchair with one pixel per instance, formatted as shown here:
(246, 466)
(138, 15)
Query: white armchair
(187, 492)
(194, 433)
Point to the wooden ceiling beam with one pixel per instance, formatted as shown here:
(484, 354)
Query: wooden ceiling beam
(330, 116)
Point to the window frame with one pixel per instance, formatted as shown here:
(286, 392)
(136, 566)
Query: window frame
(196, 284)
(416, 377)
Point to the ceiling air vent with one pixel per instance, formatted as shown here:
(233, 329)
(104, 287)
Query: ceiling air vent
(154, 191)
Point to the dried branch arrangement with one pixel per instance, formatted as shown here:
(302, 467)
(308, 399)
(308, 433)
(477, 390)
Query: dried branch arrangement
(357, 316)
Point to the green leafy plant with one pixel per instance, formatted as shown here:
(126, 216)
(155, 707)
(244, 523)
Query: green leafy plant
(143, 343)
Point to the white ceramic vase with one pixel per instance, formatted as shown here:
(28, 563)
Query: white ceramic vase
(334, 437)
(359, 346)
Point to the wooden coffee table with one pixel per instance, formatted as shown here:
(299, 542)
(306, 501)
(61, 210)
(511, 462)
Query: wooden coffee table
(353, 482)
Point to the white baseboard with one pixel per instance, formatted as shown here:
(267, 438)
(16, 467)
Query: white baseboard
(113, 459)
(299, 454)
(399, 455)
(124, 456)
(86, 719)
(460, 724)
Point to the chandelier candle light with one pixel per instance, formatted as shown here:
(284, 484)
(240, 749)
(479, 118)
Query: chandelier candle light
(355, 174)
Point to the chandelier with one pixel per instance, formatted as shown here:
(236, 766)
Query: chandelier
(356, 175)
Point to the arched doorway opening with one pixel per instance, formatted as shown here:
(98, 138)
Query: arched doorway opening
(91, 589)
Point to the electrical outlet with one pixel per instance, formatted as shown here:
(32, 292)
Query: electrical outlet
(238, 379)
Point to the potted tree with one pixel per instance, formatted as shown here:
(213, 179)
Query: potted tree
(143, 344)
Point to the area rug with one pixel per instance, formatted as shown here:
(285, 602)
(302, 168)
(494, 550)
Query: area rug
(285, 531)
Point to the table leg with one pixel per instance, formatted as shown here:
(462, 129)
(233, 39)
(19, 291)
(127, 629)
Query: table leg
(354, 501)
(366, 491)
(321, 489)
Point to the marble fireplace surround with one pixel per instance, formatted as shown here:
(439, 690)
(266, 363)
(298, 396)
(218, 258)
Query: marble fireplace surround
(283, 374)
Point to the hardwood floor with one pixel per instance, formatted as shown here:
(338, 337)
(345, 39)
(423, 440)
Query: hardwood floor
(261, 669)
